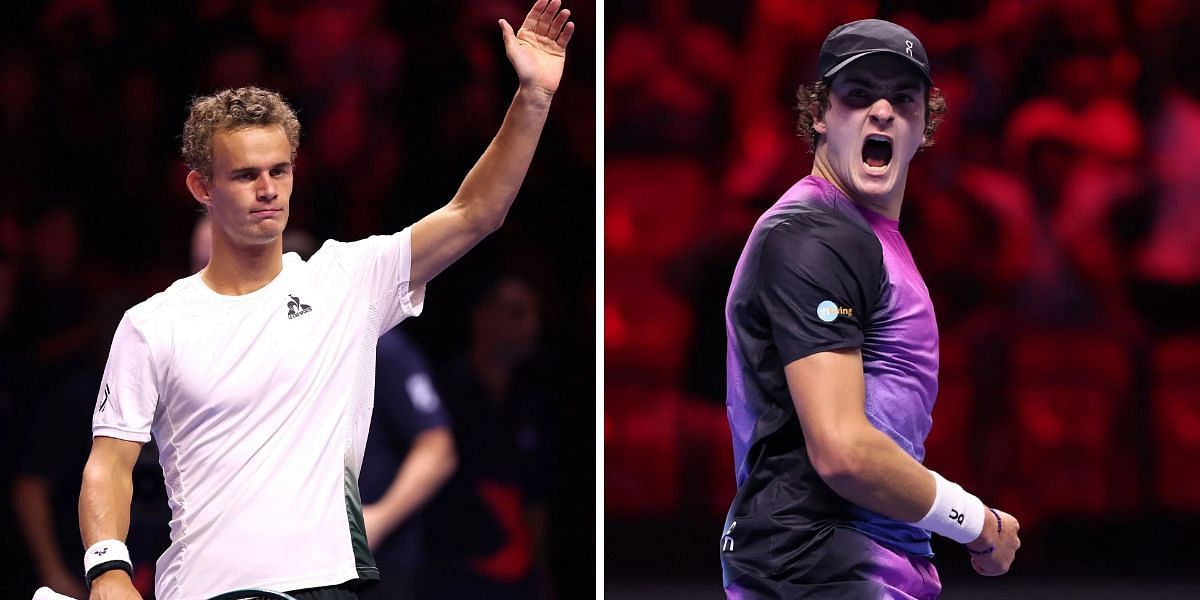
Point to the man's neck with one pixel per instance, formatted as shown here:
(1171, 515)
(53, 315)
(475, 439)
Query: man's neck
(236, 270)
(888, 206)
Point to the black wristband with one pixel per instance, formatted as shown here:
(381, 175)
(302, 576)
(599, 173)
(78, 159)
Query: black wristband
(105, 567)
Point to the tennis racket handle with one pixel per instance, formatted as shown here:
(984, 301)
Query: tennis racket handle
(45, 593)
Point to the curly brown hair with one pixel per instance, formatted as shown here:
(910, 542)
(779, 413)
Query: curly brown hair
(812, 100)
(231, 110)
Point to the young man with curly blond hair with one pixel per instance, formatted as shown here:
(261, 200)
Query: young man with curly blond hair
(833, 355)
(255, 376)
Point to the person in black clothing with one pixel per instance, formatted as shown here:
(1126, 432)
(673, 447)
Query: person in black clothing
(487, 529)
(833, 355)
(410, 454)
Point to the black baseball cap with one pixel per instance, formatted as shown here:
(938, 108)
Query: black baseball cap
(852, 41)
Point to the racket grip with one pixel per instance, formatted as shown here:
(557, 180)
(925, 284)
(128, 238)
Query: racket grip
(45, 593)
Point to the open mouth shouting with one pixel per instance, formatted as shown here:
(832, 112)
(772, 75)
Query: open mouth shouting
(877, 153)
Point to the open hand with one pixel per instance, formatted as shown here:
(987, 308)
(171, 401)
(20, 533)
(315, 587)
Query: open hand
(538, 50)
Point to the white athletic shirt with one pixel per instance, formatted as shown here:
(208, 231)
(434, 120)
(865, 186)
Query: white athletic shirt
(260, 405)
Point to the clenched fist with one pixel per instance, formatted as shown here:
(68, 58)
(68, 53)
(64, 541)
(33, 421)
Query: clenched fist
(1000, 533)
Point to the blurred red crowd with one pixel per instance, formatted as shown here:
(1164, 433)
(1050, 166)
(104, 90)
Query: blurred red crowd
(1056, 221)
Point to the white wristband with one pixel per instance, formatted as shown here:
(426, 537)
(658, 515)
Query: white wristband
(956, 513)
(105, 551)
(45, 593)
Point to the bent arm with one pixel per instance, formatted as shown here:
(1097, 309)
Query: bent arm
(482, 201)
(856, 460)
(860, 463)
(107, 492)
(430, 462)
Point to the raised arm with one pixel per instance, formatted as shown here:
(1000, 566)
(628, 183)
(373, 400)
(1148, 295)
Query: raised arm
(104, 507)
(537, 52)
(864, 466)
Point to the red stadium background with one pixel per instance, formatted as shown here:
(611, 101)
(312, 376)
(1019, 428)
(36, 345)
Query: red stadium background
(1056, 222)
(396, 99)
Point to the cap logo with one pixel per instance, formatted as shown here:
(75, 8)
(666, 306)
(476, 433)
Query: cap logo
(908, 47)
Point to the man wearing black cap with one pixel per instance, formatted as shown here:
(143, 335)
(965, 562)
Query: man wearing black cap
(833, 355)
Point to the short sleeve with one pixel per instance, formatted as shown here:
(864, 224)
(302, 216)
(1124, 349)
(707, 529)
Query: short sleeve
(819, 279)
(128, 393)
(405, 391)
(380, 266)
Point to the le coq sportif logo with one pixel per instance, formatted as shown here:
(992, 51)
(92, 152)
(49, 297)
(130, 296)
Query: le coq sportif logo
(296, 308)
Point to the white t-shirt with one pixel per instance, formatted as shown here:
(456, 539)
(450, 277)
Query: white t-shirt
(260, 405)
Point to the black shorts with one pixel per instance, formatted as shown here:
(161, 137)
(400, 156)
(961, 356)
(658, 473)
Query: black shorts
(841, 564)
(344, 591)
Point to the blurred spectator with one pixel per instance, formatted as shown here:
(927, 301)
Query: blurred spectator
(12, 421)
(667, 84)
(52, 314)
(45, 491)
(410, 454)
(777, 55)
(8, 281)
(487, 529)
(1168, 263)
(1172, 252)
(201, 244)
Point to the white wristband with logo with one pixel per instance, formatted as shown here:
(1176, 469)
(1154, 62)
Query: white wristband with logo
(105, 556)
(956, 513)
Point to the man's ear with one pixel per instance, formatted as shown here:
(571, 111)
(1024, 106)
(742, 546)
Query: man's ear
(819, 120)
(197, 184)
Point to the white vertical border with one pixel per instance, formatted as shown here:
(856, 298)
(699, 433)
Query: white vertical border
(599, 33)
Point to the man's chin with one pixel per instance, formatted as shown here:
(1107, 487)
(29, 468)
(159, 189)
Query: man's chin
(873, 188)
(262, 236)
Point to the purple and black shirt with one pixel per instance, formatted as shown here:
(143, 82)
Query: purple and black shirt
(820, 273)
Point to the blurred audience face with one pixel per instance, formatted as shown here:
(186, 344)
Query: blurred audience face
(875, 95)
(507, 323)
(233, 67)
(18, 89)
(250, 188)
(201, 244)
(54, 244)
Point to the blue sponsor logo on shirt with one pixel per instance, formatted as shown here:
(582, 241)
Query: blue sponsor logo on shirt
(828, 311)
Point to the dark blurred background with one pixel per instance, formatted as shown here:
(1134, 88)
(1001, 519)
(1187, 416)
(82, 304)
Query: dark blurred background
(396, 99)
(1056, 222)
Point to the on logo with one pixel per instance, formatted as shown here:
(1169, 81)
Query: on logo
(957, 516)
(727, 539)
